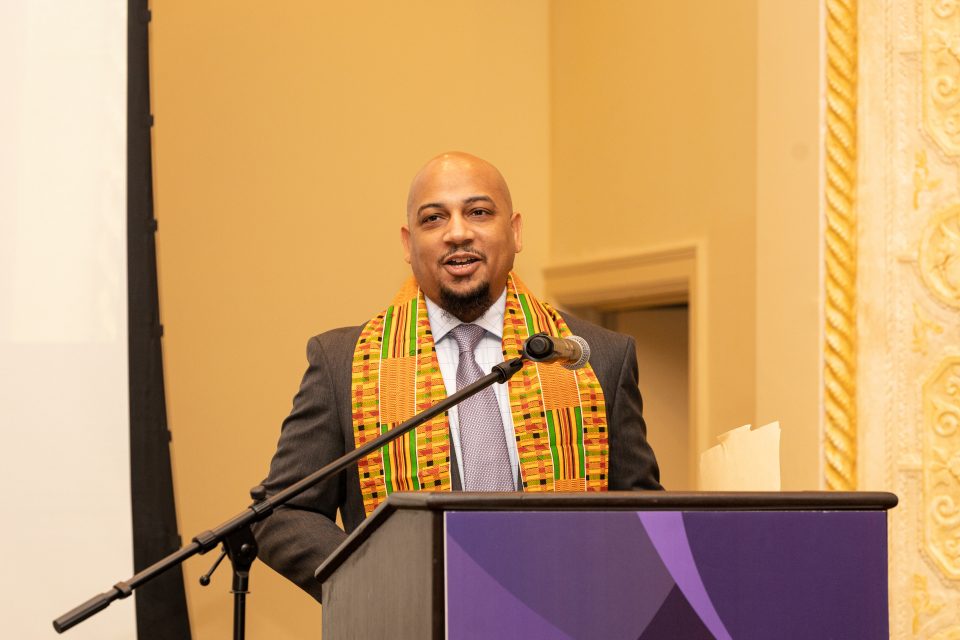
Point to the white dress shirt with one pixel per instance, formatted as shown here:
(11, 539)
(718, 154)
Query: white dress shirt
(489, 352)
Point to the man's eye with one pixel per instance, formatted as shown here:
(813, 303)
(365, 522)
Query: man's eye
(480, 212)
(433, 217)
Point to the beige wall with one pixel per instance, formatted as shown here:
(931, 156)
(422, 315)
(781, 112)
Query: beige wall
(788, 244)
(654, 143)
(285, 136)
(698, 122)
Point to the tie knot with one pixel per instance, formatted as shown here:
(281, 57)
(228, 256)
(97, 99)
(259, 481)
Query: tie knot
(467, 336)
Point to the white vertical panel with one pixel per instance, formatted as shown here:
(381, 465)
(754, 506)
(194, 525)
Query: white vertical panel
(64, 432)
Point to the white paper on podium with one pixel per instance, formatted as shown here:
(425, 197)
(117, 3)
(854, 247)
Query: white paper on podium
(744, 460)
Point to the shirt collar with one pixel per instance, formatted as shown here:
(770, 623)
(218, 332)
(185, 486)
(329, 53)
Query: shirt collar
(442, 321)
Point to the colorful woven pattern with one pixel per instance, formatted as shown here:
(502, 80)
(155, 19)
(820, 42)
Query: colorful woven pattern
(558, 415)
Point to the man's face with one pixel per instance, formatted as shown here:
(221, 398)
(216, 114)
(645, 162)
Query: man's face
(461, 234)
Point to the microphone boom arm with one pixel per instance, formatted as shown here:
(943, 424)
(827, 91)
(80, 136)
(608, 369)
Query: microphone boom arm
(235, 533)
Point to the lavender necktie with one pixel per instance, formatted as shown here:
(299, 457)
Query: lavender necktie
(483, 445)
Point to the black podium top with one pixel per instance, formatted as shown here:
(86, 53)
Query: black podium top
(606, 501)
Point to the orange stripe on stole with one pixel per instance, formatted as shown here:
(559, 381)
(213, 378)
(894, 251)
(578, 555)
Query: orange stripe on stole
(398, 387)
(559, 386)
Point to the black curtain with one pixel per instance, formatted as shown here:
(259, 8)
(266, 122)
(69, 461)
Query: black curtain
(161, 604)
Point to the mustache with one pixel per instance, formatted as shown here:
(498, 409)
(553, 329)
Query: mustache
(476, 253)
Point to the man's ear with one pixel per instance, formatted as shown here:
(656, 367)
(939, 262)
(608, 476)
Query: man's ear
(517, 223)
(405, 241)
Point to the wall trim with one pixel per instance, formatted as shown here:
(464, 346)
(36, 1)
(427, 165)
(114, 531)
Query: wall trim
(840, 240)
(650, 277)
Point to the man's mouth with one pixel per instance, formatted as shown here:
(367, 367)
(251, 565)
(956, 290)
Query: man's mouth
(461, 261)
(462, 264)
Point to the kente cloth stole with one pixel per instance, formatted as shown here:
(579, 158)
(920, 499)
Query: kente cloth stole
(559, 416)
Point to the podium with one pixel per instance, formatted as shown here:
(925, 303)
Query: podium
(637, 565)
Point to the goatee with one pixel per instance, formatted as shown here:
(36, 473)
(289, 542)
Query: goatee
(467, 306)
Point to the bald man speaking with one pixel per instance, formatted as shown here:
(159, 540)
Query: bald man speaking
(462, 311)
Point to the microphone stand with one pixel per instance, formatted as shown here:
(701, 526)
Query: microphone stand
(235, 534)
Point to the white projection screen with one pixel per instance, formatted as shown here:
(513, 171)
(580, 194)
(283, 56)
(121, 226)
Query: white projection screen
(64, 459)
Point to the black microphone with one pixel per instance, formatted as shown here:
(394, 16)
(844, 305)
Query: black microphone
(572, 352)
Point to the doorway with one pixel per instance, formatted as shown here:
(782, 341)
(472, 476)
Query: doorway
(663, 355)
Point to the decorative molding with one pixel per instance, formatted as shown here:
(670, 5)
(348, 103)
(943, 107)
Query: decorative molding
(840, 351)
(921, 178)
(908, 350)
(923, 604)
(939, 256)
(941, 478)
(922, 325)
(941, 74)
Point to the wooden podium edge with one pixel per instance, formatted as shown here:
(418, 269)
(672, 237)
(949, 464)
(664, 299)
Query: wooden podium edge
(608, 501)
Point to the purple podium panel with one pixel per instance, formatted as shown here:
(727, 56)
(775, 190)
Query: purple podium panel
(653, 575)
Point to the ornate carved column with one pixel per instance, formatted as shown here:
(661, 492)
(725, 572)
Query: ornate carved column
(908, 288)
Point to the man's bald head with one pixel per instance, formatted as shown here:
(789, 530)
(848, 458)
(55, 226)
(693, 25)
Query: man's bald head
(461, 234)
(451, 164)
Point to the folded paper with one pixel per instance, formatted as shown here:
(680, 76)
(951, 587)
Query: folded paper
(744, 459)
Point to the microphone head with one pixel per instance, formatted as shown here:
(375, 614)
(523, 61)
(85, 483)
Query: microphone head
(584, 353)
(538, 347)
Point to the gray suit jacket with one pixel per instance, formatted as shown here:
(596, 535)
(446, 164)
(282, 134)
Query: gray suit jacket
(297, 538)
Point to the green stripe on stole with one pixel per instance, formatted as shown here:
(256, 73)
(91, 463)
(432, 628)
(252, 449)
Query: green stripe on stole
(527, 314)
(582, 458)
(412, 435)
(552, 435)
(385, 449)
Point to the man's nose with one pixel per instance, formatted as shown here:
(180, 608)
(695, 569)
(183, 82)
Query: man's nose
(458, 230)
